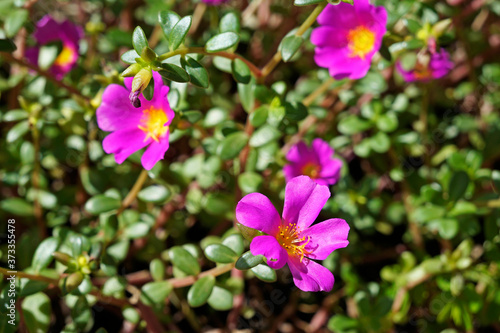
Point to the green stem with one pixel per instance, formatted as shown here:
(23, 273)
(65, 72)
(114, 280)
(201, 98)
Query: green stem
(189, 280)
(21, 275)
(320, 90)
(134, 191)
(276, 59)
(200, 50)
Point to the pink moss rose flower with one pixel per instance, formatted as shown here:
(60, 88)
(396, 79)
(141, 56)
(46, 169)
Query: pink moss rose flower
(49, 30)
(135, 128)
(348, 37)
(438, 66)
(291, 239)
(316, 161)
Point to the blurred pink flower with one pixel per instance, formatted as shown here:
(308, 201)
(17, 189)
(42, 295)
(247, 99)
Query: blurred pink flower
(49, 30)
(135, 128)
(348, 37)
(291, 240)
(315, 161)
(438, 66)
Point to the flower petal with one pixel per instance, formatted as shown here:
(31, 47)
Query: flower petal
(331, 169)
(329, 36)
(322, 149)
(341, 16)
(124, 143)
(326, 237)
(310, 276)
(155, 152)
(304, 199)
(270, 248)
(256, 211)
(116, 112)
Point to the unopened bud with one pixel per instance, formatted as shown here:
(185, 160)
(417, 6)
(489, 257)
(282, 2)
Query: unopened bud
(131, 70)
(148, 54)
(73, 281)
(440, 28)
(63, 258)
(134, 99)
(141, 80)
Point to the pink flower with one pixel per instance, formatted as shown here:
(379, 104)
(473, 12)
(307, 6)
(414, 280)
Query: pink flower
(316, 162)
(348, 37)
(135, 128)
(438, 66)
(291, 240)
(49, 30)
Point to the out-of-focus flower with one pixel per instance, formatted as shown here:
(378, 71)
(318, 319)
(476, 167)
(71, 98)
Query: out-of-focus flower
(436, 67)
(214, 2)
(315, 161)
(135, 128)
(291, 239)
(49, 30)
(348, 37)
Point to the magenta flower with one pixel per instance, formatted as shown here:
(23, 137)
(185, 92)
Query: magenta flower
(135, 128)
(49, 30)
(316, 161)
(438, 66)
(291, 240)
(348, 37)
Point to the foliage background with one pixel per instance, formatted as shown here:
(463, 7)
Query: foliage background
(419, 187)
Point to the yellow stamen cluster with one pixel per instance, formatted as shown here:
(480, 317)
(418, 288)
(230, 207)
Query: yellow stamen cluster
(153, 123)
(289, 238)
(361, 41)
(312, 170)
(65, 57)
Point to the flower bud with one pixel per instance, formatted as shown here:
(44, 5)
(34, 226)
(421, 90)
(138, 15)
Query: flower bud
(132, 70)
(148, 54)
(63, 258)
(440, 28)
(73, 281)
(134, 99)
(141, 80)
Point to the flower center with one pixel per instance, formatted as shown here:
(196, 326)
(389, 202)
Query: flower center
(422, 72)
(361, 41)
(312, 170)
(65, 57)
(289, 238)
(153, 123)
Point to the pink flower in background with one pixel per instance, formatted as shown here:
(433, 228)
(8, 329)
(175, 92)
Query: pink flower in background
(291, 239)
(135, 128)
(438, 66)
(348, 37)
(49, 30)
(315, 161)
(214, 2)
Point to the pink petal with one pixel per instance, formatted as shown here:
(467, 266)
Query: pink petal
(329, 36)
(124, 143)
(304, 199)
(155, 152)
(322, 149)
(325, 237)
(311, 276)
(256, 211)
(331, 169)
(341, 16)
(269, 247)
(116, 112)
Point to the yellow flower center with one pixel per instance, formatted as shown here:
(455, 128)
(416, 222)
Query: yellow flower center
(312, 170)
(65, 57)
(289, 238)
(153, 123)
(361, 41)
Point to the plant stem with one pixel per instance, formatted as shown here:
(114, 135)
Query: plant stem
(45, 74)
(21, 275)
(200, 50)
(320, 90)
(199, 10)
(35, 176)
(276, 59)
(133, 191)
(189, 280)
